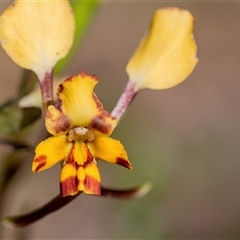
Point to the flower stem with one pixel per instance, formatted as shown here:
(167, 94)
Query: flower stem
(124, 101)
(46, 85)
(58, 202)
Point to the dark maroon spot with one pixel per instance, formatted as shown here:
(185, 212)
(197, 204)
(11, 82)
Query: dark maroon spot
(58, 105)
(89, 155)
(69, 186)
(69, 79)
(84, 74)
(41, 160)
(98, 102)
(60, 88)
(70, 158)
(62, 124)
(92, 185)
(100, 124)
(123, 162)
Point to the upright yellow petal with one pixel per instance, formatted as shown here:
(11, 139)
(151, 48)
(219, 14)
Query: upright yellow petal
(49, 152)
(110, 150)
(167, 54)
(81, 106)
(36, 34)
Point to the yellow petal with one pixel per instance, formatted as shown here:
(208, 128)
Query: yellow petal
(49, 152)
(68, 180)
(167, 54)
(110, 150)
(36, 34)
(79, 154)
(80, 105)
(89, 179)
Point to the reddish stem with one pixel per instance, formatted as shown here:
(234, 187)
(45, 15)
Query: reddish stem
(46, 85)
(124, 101)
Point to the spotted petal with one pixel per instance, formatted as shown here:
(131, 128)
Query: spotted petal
(79, 106)
(36, 34)
(167, 54)
(88, 176)
(68, 180)
(89, 179)
(110, 150)
(49, 152)
(80, 173)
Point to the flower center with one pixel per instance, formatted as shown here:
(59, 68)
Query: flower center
(80, 133)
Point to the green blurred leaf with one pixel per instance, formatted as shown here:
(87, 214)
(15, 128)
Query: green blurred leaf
(84, 13)
(13, 119)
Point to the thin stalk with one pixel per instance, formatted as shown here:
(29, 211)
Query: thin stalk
(46, 85)
(124, 101)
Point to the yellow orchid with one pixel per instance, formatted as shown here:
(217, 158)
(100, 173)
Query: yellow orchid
(81, 129)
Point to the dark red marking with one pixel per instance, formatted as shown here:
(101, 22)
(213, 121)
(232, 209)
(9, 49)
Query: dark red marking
(100, 124)
(41, 160)
(87, 161)
(58, 105)
(123, 162)
(98, 102)
(84, 74)
(70, 159)
(60, 88)
(89, 155)
(93, 185)
(69, 186)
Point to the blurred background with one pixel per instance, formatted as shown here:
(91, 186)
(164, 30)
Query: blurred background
(185, 140)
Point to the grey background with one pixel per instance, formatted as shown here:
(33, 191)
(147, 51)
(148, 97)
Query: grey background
(184, 140)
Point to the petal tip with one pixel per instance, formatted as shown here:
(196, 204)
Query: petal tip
(69, 186)
(124, 162)
(38, 163)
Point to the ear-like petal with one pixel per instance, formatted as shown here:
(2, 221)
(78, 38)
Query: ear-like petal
(167, 54)
(36, 34)
(77, 105)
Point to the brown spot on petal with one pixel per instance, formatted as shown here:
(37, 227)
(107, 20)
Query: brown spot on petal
(89, 155)
(41, 162)
(98, 102)
(100, 124)
(84, 74)
(69, 186)
(123, 162)
(62, 124)
(58, 104)
(92, 185)
(60, 88)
